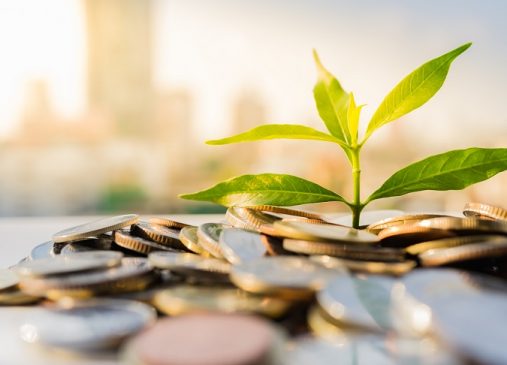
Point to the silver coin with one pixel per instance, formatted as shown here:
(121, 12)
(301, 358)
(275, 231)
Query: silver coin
(238, 245)
(8, 279)
(45, 250)
(209, 235)
(362, 301)
(82, 261)
(95, 228)
(103, 242)
(86, 326)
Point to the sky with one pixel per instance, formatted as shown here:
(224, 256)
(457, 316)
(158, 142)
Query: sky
(217, 49)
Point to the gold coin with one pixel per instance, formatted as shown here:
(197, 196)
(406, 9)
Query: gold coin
(138, 244)
(286, 211)
(169, 223)
(133, 275)
(208, 235)
(348, 251)
(188, 299)
(465, 225)
(188, 236)
(8, 280)
(188, 262)
(400, 220)
(291, 277)
(408, 234)
(480, 210)
(247, 218)
(238, 245)
(421, 247)
(83, 261)
(95, 228)
(369, 267)
(160, 234)
(328, 232)
(472, 251)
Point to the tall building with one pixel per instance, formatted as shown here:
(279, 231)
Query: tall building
(120, 85)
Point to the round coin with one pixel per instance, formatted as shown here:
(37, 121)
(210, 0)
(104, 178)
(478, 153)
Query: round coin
(45, 250)
(95, 228)
(481, 210)
(160, 234)
(187, 299)
(102, 242)
(138, 244)
(400, 220)
(208, 235)
(408, 234)
(188, 236)
(204, 339)
(421, 247)
(329, 232)
(294, 277)
(91, 325)
(286, 211)
(166, 222)
(466, 225)
(188, 262)
(8, 280)
(83, 261)
(247, 218)
(369, 267)
(238, 245)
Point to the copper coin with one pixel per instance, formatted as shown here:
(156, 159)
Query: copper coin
(408, 234)
(485, 211)
(205, 339)
(247, 218)
(169, 223)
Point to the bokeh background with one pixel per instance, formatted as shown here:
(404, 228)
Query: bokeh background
(105, 104)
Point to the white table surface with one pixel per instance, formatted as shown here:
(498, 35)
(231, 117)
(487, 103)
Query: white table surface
(18, 236)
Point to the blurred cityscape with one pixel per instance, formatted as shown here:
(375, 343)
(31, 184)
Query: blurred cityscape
(134, 148)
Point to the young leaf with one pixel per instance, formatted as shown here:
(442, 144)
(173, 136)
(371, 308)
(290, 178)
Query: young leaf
(265, 189)
(331, 101)
(353, 112)
(414, 90)
(278, 131)
(453, 170)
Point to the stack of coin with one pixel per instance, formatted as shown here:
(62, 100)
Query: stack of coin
(270, 285)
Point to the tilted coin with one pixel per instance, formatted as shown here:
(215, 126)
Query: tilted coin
(466, 225)
(247, 218)
(471, 251)
(166, 222)
(238, 245)
(409, 234)
(188, 236)
(188, 261)
(134, 274)
(400, 220)
(316, 232)
(8, 280)
(481, 210)
(208, 235)
(359, 301)
(347, 251)
(83, 261)
(160, 234)
(103, 242)
(206, 339)
(370, 267)
(286, 211)
(187, 299)
(294, 277)
(138, 244)
(95, 228)
(421, 247)
(45, 250)
(88, 325)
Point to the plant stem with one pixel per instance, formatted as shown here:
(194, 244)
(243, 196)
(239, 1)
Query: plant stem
(356, 205)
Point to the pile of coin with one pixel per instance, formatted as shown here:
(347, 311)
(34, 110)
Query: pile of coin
(271, 285)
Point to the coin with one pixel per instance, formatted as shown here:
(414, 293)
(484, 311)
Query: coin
(8, 280)
(247, 218)
(238, 245)
(188, 237)
(481, 210)
(169, 223)
(286, 211)
(45, 250)
(138, 244)
(400, 220)
(188, 262)
(187, 299)
(315, 232)
(274, 245)
(89, 325)
(205, 339)
(321, 326)
(95, 228)
(134, 274)
(466, 225)
(17, 297)
(160, 234)
(408, 234)
(421, 247)
(83, 261)
(471, 251)
(103, 242)
(347, 251)
(370, 267)
(208, 236)
(293, 277)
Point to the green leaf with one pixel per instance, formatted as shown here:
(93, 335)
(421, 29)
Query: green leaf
(265, 189)
(331, 101)
(453, 170)
(353, 113)
(277, 131)
(414, 90)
